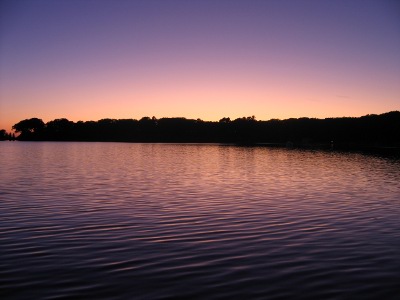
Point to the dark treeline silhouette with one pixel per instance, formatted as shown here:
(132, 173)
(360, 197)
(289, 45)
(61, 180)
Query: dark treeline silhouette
(6, 136)
(371, 130)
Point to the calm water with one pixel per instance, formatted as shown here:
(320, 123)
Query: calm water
(159, 221)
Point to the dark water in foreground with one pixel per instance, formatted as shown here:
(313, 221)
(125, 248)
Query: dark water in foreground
(155, 221)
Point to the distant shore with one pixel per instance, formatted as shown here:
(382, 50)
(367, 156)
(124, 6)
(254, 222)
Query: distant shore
(372, 133)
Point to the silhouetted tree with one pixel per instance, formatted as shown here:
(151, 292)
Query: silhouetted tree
(225, 120)
(29, 128)
(3, 135)
(59, 129)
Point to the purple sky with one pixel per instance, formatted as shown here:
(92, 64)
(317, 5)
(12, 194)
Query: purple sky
(87, 60)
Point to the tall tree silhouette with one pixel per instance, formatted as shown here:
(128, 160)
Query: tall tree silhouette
(29, 128)
(3, 135)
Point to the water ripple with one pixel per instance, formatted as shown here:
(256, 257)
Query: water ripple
(159, 221)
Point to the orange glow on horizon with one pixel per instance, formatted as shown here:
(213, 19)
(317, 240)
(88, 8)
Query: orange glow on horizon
(207, 60)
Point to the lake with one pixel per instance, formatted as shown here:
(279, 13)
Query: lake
(196, 221)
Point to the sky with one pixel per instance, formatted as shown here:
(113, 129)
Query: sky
(94, 59)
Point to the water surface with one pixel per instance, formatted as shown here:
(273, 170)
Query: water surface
(159, 221)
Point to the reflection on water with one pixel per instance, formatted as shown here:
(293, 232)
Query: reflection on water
(150, 221)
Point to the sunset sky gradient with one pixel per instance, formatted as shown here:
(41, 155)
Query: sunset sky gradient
(88, 60)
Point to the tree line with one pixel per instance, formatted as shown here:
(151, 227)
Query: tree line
(6, 136)
(373, 130)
